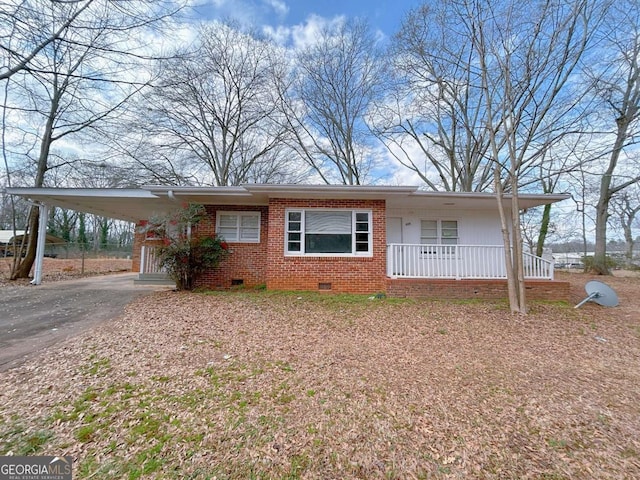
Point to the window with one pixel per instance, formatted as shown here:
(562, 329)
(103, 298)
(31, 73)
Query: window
(328, 232)
(438, 232)
(239, 226)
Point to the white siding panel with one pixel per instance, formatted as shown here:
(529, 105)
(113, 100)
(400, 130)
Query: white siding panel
(477, 227)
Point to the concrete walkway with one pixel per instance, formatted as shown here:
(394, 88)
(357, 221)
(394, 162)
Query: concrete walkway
(34, 317)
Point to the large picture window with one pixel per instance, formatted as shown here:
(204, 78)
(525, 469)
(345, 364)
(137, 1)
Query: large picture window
(238, 226)
(328, 232)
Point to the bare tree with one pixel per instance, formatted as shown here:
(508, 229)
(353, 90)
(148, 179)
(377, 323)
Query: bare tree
(510, 83)
(558, 166)
(626, 207)
(26, 31)
(82, 77)
(214, 117)
(616, 80)
(433, 121)
(337, 79)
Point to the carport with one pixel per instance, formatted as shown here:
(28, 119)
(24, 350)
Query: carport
(131, 205)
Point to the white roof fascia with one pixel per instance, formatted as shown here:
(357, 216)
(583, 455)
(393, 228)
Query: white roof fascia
(36, 193)
(214, 191)
(470, 200)
(330, 191)
(208, 195)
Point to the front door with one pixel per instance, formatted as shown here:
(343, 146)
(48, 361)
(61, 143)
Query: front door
(394, 230)
(394, 235)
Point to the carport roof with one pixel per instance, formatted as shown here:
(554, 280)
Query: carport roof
(134, 204)
(130, 204)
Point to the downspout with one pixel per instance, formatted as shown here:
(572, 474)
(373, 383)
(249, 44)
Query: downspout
(172, 196)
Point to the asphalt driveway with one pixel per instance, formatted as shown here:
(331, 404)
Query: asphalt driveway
(34, 317)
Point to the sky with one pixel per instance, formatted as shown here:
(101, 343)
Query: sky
(297, 23)
(288, 20)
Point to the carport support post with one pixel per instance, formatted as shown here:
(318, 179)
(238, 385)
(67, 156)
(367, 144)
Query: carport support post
(42, 238)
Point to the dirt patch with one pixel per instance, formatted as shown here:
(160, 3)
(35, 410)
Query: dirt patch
(67, 269)
(280, 385)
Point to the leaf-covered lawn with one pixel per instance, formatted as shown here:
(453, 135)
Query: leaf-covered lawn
(66, 269)
(289, 385)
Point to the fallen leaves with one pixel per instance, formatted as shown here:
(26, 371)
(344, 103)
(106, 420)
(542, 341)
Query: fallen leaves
(65, 269)
(311, 386)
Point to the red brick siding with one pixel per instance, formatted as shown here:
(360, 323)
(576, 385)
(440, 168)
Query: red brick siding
(344, 274)
(138, 238)
(468, 289)
(246, 261)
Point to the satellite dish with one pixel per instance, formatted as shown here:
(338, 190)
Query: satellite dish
(600, 293)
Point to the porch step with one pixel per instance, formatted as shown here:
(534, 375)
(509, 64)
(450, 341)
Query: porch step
(153, 279)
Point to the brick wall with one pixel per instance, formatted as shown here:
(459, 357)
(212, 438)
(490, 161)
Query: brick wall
(138, 238)
(246, 262)
(468, 289)
(336, 274)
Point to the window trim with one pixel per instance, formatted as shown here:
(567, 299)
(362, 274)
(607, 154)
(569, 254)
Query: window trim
(238, 214)
(427, 251)
(354, 232)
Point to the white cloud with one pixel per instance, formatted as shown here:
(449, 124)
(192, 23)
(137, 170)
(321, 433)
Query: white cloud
(278, 6)
(249, 13)
(303, 34)
(280, 34)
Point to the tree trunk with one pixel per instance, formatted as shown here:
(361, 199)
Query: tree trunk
(518, 254)
(512, 288)
(599, 265)
(628, 239)
(544, 230)
(23, 266)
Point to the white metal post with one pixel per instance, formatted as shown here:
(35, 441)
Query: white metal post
(42, 239)
(143, 255)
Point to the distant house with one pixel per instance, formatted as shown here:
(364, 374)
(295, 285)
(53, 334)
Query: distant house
(7, 238)
(357, 239)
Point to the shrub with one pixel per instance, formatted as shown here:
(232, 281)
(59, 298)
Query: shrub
(185, 255)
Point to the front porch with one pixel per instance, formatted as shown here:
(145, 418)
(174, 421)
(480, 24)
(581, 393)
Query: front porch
(464, 272)
(459, 262)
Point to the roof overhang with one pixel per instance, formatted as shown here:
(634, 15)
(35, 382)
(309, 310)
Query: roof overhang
(130, 204)
(138, 204)
(471, 200)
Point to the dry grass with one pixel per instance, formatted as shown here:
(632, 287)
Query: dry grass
(285, 385)
(66, 269)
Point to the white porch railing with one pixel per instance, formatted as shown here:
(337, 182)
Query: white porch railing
(458, 262)
(149, 262)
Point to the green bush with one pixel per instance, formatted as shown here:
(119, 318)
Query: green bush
(186, 255)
